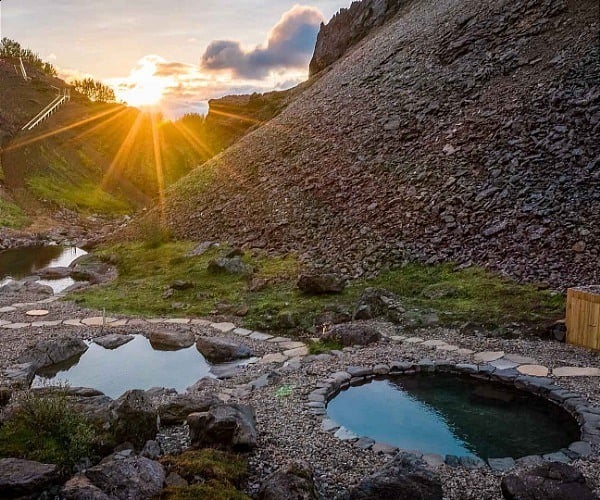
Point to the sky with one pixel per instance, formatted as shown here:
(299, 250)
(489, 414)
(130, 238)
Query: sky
(181, 52)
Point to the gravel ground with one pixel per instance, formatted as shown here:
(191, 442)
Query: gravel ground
(289, 431)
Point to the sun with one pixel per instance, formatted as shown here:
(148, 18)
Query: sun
(143, 88)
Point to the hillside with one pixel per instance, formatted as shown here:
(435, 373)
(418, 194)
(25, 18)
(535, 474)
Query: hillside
(461, 130)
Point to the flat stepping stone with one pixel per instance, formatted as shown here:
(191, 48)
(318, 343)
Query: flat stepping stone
(46, 323)
(521, 360)
(223, 327)
(533, 370)
(16, 326)
(136, 322)
(344, 434)
(38, 312)
(120, 322)
(329, 425)
(7, 309)
(488, 356)
(291, 345)
(384, 448)
(155, 321)
(72, 322)
(503, 364)
(447, 348)
(276, 357)
(4, 322)
(98, 321)
(576, 371)
(414, 340)
(298, 352)
(277, 340)
(434, 343)
(433, 460)
(465, 352)
(260, 336)
(202, 322)
(242, 332)
(178, 321)
(397, 338)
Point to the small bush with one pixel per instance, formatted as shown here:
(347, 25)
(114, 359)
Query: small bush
(46, 428)
(324, 346)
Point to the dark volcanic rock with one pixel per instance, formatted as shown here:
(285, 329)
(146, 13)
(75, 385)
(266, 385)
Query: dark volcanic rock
(224, 426)
(220, 350)
(234, 265)
(51, 352)
(405, 478)
(91, 268)
(127, 478)
(21, 478)
(295, 481)
(176, 410)
(379, 303)
(172, 339)
(113, 340)
(53, 273)
(321, 283)
(133, 419)
(353, 334)
(81, 488)
(552, 481)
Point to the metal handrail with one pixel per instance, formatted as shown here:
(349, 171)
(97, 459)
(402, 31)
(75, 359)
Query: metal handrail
(63, 96)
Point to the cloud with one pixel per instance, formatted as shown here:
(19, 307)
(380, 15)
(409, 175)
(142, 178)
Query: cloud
(290, 44)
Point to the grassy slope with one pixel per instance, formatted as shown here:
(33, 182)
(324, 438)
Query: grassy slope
(11, 215)
(456, 295)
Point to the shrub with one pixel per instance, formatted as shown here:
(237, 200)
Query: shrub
(323, 346)
(46, 428)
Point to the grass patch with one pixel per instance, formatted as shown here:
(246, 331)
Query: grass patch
(324, 346)
(11, 215)
(220, 474)
(46, 428)
(147, 269)
(85, 197)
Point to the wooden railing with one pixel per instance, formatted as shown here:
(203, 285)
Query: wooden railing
(23, 72)
(63, 96)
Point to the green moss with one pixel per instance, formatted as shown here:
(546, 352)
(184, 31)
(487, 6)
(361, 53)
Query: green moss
(46, 428)
(11, 215)
(147, 269)
(208, 464)
(210, 491)
(84, 196)
(323, 346)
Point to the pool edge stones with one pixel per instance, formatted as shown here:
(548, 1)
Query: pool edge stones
(586, 415)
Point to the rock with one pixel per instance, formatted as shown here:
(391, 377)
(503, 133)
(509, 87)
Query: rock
(129, 478)
(225, 426)
(54, 273)
(51, 352)
(176, 481)
(175, 411)
(81, 488)
(316, 284)
(133, 418)
(182, 285)
(352, 334)
(20, 374)
(113, 340)
(202, 248)
(406, 477)
(5, 395)
(151, 450)
(220, 350)
(295, 481)
(551, 481)
(91, 268)
(233, 265)
(22, 478)
(172, 339)
(378, 302)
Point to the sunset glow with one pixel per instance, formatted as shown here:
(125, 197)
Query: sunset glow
(142, 88)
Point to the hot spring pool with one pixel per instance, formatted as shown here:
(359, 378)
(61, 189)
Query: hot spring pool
(453, 415)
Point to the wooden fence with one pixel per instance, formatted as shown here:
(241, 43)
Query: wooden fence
(583, 317)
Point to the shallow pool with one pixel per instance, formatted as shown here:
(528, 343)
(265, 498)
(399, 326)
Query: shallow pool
(451, 415)
(135, 365)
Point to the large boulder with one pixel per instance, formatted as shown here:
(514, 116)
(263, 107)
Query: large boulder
(23, 478)
(171, 339)
(29, 286)
(295, 481)
(51, 352)
(113, 340)
(81, 488)
(21, 374)
(92, 269)
(54, 273)
(220, 350)
(551, 481)
(378, 302)
(133, 419)
(321, 283)
(406, 477)
(127, 477)
(224, 426)
(234, 265)
(176, 410)
(352, 334)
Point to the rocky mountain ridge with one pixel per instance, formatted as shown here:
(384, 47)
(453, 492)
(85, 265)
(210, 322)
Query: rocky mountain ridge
(459, 131)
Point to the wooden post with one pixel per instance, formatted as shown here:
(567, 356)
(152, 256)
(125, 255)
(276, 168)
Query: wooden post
(583, 316)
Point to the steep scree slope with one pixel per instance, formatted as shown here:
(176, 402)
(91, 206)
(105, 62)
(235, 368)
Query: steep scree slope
(462, 130)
